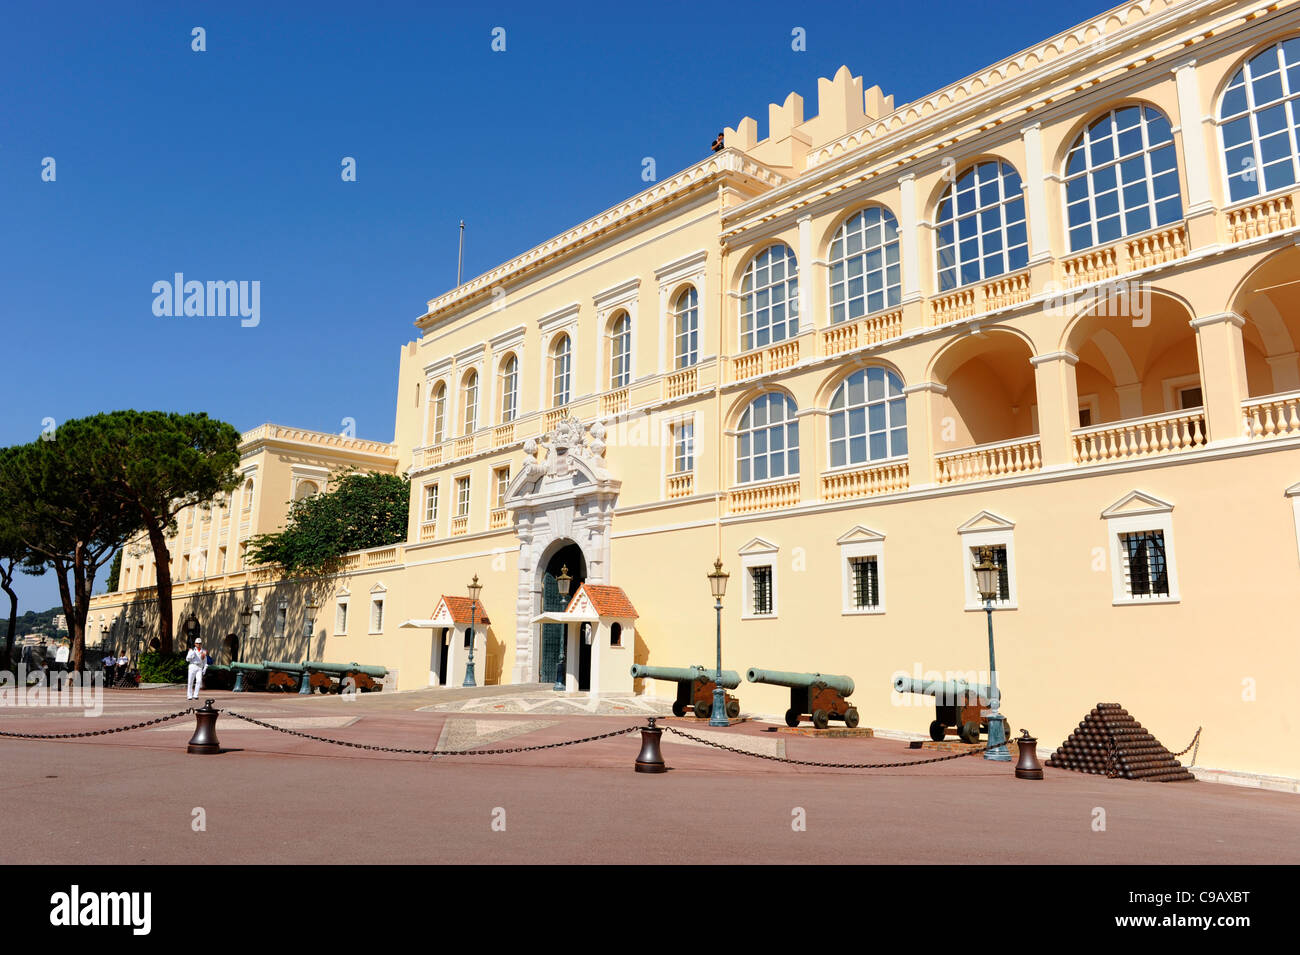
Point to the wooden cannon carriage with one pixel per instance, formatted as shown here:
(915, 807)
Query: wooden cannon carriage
(695, 686)
(959, 707)
(820, 697)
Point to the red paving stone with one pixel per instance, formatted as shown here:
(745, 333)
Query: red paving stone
(275, 798)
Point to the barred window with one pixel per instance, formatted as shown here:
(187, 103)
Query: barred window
(1121, 177)
(341, 617)
(686, 328)
(770, 298)
(761, 589)
(865, 273)
(376, 616)
(981, 230)
(866, 582)
(1146, 572)
(1259, 121)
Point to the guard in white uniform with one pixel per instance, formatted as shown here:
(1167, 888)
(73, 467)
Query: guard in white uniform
(197, 658)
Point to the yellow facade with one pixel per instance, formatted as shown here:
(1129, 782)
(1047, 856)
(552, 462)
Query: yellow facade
(1097, 376)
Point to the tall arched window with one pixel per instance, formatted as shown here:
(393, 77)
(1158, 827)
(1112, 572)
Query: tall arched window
(980, 229)
(561, 362)
(686, 328)
(439, 412)
(471, 402)
(1258, 119)
(620, 351)
(770, 298)
(1121, 177)
(865, 274)
(509, 388)
(246, 501)
(868, 418)
(767, 444)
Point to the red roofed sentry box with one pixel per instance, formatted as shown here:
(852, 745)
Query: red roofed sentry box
(603, 620)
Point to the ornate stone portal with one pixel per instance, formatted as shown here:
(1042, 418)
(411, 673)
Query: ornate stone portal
(564, 496)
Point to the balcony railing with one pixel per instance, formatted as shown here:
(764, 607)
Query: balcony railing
(428, 531)
(499, 518)
(985, 461)
(763, 497)
(952, 307)
(1140, 437)
(379, 558)
(1157, 248)
(614, 402)
(766, 360)
(681, 485)
(503, 434)
(553, 417)
(1259, 218)
(869, 330)
(1095, 265)
(459, 525)
(865, 482)
(1272, 415)
(682, 382)
(1006, 291)
(465, 446)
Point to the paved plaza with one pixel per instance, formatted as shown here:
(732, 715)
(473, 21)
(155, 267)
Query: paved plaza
(272, 797)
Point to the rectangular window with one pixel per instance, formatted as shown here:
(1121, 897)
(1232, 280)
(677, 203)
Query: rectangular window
(377, 615)
(430, 503)
(281, 621)
(866, 582)
(1145, 568)
(462, 496)
(760, 579)
(341, 617)
(221, 560)
(503, 482)
(684, 447)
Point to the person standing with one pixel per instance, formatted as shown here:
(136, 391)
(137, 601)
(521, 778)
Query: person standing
(197, 658)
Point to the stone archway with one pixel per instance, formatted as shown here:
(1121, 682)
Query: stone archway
(564, 497)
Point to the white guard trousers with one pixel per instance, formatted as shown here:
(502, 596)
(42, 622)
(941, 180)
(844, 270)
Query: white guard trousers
(195, 682)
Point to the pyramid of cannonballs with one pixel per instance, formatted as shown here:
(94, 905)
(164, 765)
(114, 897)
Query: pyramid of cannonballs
(1109, 742)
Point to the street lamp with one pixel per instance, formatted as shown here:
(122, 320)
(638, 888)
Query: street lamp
(563, 582)
(718, 586)
(309, 624)
(986, 581)
(475, 588)
(245, 616)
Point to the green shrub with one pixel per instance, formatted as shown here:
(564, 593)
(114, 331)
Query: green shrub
(158, 667)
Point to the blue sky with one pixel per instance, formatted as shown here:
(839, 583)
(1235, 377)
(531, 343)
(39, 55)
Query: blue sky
(225, 165)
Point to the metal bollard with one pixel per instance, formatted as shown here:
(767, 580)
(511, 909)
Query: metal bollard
(1029, 767)
(650, 759)
(204, 739)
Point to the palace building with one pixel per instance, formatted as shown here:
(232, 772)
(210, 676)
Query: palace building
(1052, 309)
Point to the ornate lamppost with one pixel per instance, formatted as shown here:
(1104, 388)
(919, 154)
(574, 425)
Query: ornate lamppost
(986, 581)
(245, 616)
(563, 582)
(310, 623)
(718, 586)
(475, 588)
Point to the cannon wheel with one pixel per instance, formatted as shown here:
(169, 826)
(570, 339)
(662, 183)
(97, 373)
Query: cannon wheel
(733, 709)
(821, 719)
(851, 717)
(703, 710)
(970, 732)
(938, 731)
(792, 718)
(678, 709)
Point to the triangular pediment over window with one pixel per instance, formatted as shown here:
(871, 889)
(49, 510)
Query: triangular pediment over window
(986, 521)
(1137, 502)
(759, 545)
(861, 535)
(379, 588)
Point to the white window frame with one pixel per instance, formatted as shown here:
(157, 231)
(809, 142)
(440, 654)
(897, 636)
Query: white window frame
(1173, 387)
(470, 410)
(759, 553)
(341, 617)
(556, 376)
(463, 480)
(425, 518)
(378, 598)
(677, 429)
(790, 324)
(861, 542)
(855, 226)
(438, 413)
(1008, 197)
(499, 487)
(620, 350)
(509, 378)
(685, 304)
(1155, 515)
(973, 538)
(1252, 111)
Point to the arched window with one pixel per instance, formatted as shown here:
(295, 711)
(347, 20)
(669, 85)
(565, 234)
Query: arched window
(868, 418)
(509, 388)
(767, 445)
(247, 500)
(620, 351)
(306, 489)
(471, 402)
(439, 412)
(770, 298)
(561, 360)
(865, 274)
(686, 328)
(1258, 119)
(1121, 177)
(980, 229)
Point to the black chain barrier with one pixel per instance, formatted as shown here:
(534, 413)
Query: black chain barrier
(1112, 753)
(825, 765)
(429, 752)
(116, 729)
